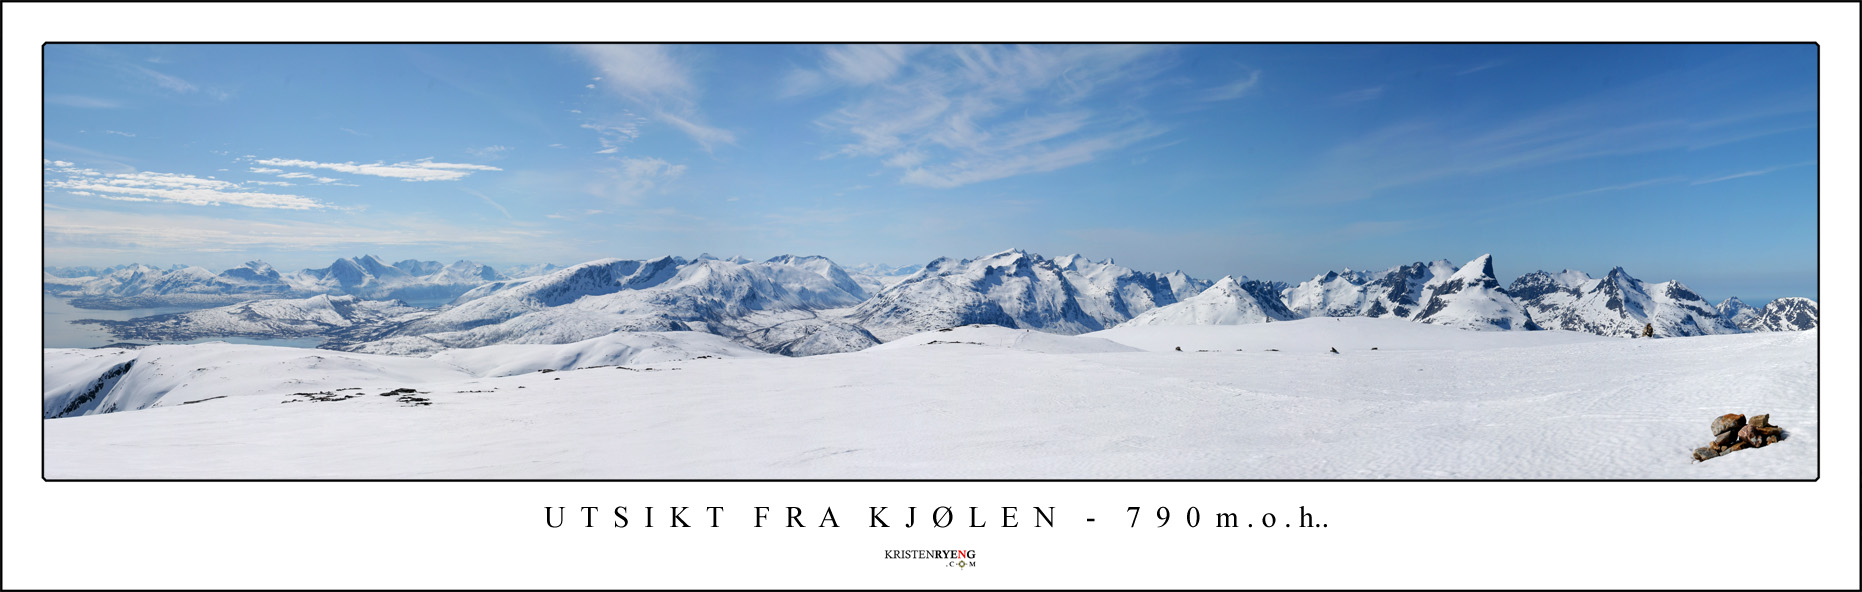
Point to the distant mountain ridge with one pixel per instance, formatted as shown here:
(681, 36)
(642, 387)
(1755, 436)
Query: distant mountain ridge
(1017, 289)
(809, 305)
(367, 276)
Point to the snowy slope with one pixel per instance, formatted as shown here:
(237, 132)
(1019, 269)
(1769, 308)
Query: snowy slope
(611, 350)
(810, 337)
(996, 336)
(1228, 302)
(272, 318)
(1322, 334)
(107, 380)
(1432, 403)
(1331, 294)
(1472, 299)
(170, 375)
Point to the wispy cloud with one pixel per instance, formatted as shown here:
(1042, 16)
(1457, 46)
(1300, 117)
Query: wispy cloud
(1232, 90)
(634, 177)
(706, 136)
(487, 199)
(169, 187)
(83, 102)
(1621, 187)
(352, 132)
(616, 132)
(492, 152)
(1482, 66)
(1638, 117)
(1360, 95)
(124, 134)
(419, 170)
(948, 116)
(651, 79)
(1756, 173)
(307, 177)
(865, 64)
(644, 73)
(170, 83)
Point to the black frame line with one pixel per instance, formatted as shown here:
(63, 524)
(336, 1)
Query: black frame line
(1819, 233)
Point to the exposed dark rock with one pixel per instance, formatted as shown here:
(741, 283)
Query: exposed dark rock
(1730, 421)
(1732, 432)
(1725, 439)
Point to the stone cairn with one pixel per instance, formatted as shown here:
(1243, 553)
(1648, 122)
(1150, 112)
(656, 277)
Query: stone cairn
(1732, 432)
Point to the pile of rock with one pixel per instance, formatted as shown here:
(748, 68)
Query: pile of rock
(1732, 432)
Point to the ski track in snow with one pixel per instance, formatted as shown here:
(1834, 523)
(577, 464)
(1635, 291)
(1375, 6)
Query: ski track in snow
(991, 402)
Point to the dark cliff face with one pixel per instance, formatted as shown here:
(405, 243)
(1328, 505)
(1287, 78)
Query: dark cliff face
(1533, 285)
(1267, 294)
(1400, 285)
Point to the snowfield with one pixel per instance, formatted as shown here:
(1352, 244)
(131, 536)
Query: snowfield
(1430, 402)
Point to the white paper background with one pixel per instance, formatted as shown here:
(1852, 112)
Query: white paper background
(1380, 535)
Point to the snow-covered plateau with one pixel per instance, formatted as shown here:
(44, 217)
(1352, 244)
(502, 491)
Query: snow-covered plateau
(1400, 399)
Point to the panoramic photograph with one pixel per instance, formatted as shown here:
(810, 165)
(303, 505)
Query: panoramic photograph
(930, 262)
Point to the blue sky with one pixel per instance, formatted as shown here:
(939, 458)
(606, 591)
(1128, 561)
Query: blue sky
(1690, 162)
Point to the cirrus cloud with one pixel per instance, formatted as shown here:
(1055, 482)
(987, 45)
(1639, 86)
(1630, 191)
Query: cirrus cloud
(420, 170)
(948, 116)
(149, 186)
(650, 78)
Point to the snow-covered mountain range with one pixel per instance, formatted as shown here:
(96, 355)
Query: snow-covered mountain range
(583, 301)
(1013, 288)
(368, 277)
(809, 305)
(1228, 302)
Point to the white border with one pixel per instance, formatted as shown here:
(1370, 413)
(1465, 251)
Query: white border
(489, 535)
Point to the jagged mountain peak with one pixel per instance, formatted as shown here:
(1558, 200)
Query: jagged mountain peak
(1472, 299)
(1478, 269)
(1790, 313)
